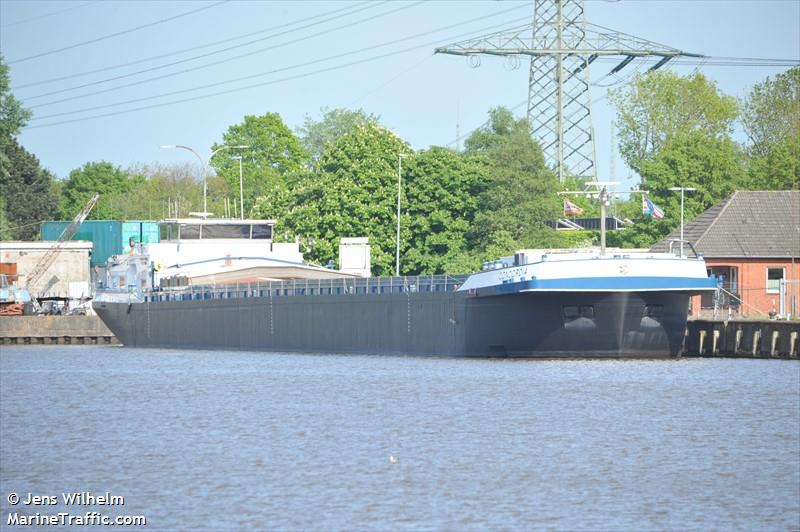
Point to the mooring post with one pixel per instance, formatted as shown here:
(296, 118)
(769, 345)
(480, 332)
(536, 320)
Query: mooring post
(756, 341)
(775, 335)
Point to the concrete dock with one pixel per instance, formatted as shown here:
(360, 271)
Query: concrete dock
(39, 330)
(742, 338)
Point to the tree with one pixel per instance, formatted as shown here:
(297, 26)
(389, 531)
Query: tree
(521, 195)
(273, 155)
(778, 168)
(771, 119)
(316, 135)
(661, 104)
(13, 116)
(771, 112)
(500, 126)
(101, 178)
(442, 190)
(27, 192)
(714, 166)
(352, 191)
(160, 191)
(6, 232)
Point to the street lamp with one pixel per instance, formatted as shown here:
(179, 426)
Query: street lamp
(241, 186)
(203, 165)
(682, 189)
(400, 157)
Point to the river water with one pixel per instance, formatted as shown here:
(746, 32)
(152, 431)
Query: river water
(239, 440)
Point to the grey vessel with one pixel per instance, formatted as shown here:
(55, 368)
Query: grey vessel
(543, 304)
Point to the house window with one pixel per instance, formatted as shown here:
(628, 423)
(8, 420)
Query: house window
(774, 276)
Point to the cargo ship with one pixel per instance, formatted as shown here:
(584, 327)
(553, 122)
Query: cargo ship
(587, 303)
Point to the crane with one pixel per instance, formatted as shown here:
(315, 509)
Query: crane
(51, 254)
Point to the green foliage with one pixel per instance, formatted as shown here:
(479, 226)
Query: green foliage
(155, 192)
(714, 166)
(316, 135)
(771, 112)
(27, 192)
(675, 131)
(277, 205)
(111, 182)
(273, 156)
(577, 239)
(351, 192)
(522, 192)
(661, 104)
(778, 168)
(771, 119)
(13, 116)
(500, 127)
(6, 232)
(441, 189)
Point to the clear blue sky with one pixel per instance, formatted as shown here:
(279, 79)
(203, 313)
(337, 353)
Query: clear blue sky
(419, 95)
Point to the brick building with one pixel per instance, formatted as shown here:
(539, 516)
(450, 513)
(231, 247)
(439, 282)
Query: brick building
(751, 242)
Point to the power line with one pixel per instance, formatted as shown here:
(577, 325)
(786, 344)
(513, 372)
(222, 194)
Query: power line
(393, 78)
(117, 34)
(208, 54)
(46, 15)
(291, 67)
(178, 52)
(139, 82)
(261, 74)
(213, 63)
(247, 87)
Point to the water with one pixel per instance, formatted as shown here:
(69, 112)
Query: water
(236, 440)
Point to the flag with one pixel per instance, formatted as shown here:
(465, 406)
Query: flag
(648, 207)
(571, 208)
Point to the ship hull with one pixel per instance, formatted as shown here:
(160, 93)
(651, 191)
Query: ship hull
(522, 324)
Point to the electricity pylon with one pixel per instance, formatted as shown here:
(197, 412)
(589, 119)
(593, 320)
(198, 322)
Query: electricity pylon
(561, 45)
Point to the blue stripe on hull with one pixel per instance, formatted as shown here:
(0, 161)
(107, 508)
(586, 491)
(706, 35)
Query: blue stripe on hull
(606, 284)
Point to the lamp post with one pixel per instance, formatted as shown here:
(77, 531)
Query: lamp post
(203, 165)
(400, 157)
(682, 189)
(241, 186)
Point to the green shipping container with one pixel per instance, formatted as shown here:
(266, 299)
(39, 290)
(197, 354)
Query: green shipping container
(142, 232)
(109, 237)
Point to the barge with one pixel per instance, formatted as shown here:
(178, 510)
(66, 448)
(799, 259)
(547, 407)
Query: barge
(576, 304)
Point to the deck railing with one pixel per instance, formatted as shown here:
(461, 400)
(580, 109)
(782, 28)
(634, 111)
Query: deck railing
(299, 287)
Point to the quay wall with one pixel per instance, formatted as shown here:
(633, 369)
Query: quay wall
(742, 338)
(54, 330)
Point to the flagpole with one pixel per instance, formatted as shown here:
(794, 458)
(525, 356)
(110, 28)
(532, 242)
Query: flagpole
(603, 200)
(682, 189)
(602, 193)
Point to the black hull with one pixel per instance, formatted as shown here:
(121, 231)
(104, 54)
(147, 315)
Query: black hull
(527, 324)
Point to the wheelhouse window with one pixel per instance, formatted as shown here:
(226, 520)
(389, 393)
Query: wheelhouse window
(226, 231)
(262, 231)
(189, 232)
(774, 277)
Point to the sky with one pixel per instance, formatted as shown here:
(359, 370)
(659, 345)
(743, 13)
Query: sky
(114, 80)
